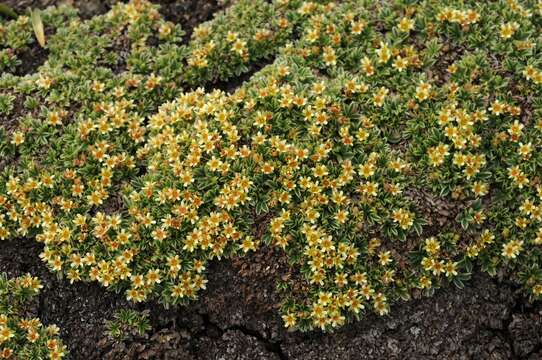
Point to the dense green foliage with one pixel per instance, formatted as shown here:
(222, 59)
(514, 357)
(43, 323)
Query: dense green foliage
(389, 148)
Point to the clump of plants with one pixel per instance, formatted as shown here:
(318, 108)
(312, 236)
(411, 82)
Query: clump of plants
(388, 149)
(128, 323)
(21, 336)
(17, 36)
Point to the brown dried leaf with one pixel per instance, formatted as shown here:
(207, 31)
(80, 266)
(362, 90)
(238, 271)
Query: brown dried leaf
(37, 25)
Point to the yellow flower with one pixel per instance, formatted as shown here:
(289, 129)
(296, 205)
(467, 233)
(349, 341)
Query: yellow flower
(97, 86)
(520, 179)
(5, 334)
(44, 82)
(159, 234)
(437, 267)
(406, 24)
(174, 263)
(240, 47)
(367, 66)
(400, 63)
(153, 277)
(380, 304)
(423, 91)
(479, 188)
(497, 107)
(54, 118)
(384, 258)
(508, 29)
(341, 216)
(403, 217)
(289, 319)
(427, 263)
(267, 168)
(17, 138)
(95, 198)
(320, 171)
(324, 298)
(248, 244)
(437, 154)
(450, 268)
(424, 282)
(525, 150)
(529, 72)
(432, 246)
(357, 27)
(380, 96)
(527, 207)
(32, 336)
(356, 306)
(384, 53)
(512, 249)
(330, 59)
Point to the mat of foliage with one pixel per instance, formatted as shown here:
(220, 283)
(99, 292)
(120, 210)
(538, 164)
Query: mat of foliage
(387, 150)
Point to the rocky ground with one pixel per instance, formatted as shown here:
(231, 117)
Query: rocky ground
(237, 317)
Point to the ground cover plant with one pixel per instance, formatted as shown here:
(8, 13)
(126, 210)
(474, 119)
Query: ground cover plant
(389, 148)
(23, 337)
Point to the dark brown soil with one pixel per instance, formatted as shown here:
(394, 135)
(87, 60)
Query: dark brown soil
(31, 59)
(87, 8)
(190, 13)
(231, 85)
